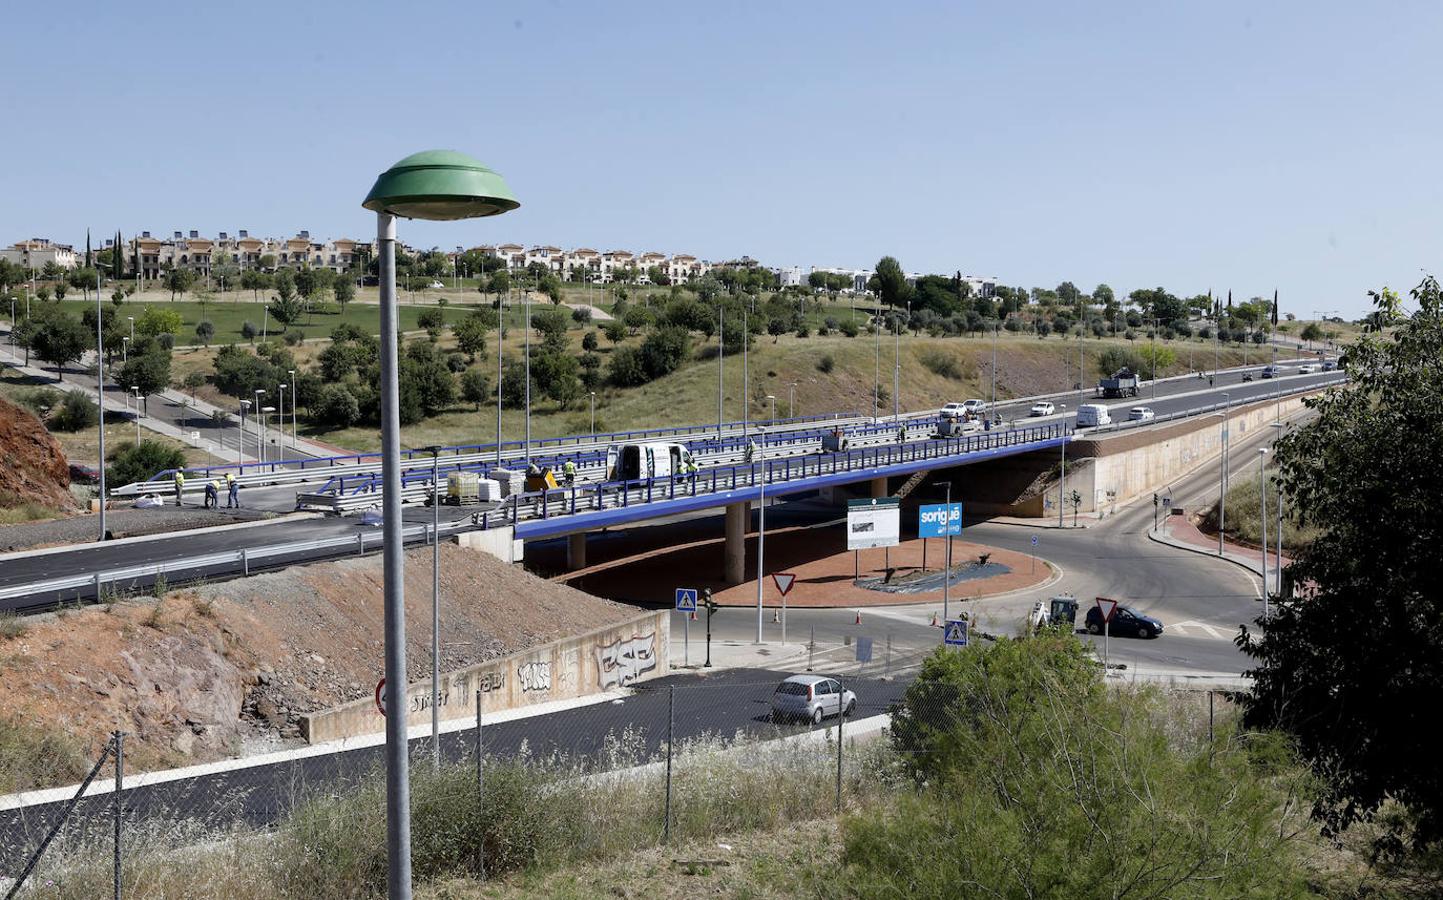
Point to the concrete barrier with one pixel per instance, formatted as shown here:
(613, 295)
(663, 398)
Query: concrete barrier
(501, 543)
(616, 656)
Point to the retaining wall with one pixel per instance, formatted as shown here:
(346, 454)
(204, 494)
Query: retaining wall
(619, 655)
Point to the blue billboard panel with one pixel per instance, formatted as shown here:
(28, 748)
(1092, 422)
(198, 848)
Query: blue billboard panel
(939, 520)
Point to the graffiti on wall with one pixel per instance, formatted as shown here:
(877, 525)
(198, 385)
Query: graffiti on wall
(534, 676)
(623, 661)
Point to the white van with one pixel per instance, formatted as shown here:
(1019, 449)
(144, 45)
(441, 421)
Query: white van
(632, 462)
(1090, 415)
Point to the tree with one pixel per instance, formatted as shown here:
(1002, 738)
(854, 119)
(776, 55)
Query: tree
(433, 320)
(147, 370)
(139, 462)
(664, 350)
(345, 291)
(336, 406)
(891, 283)
(475, 387)
(178, 281)
(205, 331)
(627, 369)
(1311, 332)
(589, 342)
(75, 412)
(1359, 699)
(513, 384)
(1103, 296)
(59, 338)
(286, 308)
(471, 332)
(255, 281)
(267, 261)
(158, 320)
(556, 376)
(615, 331)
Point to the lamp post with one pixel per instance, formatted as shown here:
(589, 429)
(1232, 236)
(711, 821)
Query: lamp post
(281, 412)
(792, 400)
(260, 428)
(441, 185)
(131, 319)
(877, 362)
(295, 440)
(435, 606)
(124, 350)
(1278, 565)
(773, 401)
(1263, 496)
(1223, 475)
(135, 389)
(99, 390)
(526, 334)
(746, 376)
(241, 441)
(721, 346)
(593, 412)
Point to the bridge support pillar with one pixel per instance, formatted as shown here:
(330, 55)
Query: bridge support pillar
(879, 487)
(576, 551)
(734, 565)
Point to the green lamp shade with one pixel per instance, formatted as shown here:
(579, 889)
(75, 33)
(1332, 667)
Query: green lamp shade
(440, 185)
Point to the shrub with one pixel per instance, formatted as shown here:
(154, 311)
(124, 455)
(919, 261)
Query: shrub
(74, 413)
(581, 315)
(475, 387)
(249, 331)
(337, 407)
(204, 331)
(293, 337)
(826, 364)
(165, 340)
(664, 349)
(940, 363)
(849, 328)
(138, 462)
(627, 368)
(589, 342)
(456, 362)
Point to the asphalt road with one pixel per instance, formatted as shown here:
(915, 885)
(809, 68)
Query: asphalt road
(722, 704)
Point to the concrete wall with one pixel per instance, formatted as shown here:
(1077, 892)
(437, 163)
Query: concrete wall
(499, 542)
(1120, 467)
(617, 656)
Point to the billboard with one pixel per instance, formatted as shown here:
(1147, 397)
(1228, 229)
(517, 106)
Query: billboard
(939, 520)
(873, 523)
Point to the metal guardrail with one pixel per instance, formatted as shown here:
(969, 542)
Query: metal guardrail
(92, 585)
(1209, 408)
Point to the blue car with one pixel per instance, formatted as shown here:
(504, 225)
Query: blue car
(1126, 622)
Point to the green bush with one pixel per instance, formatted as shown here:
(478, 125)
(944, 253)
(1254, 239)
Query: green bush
(293, 337)
(826, 364)
(138, 462)
(75, 413)
(1036, 780)
(337, 407)
(941, 363)
(627, 369)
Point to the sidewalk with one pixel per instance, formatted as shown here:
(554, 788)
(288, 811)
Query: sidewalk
(1184, 535)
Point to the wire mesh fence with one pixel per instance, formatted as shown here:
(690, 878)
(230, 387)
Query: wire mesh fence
(677, 759)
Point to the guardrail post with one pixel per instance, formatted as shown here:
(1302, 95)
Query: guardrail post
(245, 562)
(360, 543)
(97, 587)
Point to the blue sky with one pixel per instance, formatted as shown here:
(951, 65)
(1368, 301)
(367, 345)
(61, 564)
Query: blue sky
(1225, 145)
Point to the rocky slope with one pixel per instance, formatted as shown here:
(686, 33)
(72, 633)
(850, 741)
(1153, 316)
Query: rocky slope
(34, 468)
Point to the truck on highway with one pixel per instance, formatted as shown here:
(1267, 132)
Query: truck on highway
(633, 462)
(1123, 383)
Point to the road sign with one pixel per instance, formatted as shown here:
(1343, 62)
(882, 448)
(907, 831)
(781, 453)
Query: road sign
(864, 649)
(939, 520)
(875, 522)
(1108, 607)
(955, 633)
(381, 696)
(686, 599)
(1034, 540)
(784, 581)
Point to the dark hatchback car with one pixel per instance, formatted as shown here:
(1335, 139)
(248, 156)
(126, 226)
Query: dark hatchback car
(1126, 622)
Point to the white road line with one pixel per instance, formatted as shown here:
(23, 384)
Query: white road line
(1181, 627)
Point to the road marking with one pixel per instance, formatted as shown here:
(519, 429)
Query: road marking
(1212, 632)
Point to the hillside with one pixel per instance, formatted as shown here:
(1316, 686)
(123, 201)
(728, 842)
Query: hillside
(35, 472)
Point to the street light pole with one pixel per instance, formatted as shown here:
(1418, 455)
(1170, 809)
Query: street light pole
(792, 400)
(281, 415)
(435, 608)
(1278, 565)
(593, 413)
(433, 185)
(526, 335)
(1263, 495)
(99, 388)
(773, 401)
(746, 376)
(260, 428)
(1223, 475)
(761, 544)
(136, 390)
(721, 346)
(295, 435)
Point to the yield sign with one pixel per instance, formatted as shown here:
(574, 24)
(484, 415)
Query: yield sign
(1108, 607)
(784, 581)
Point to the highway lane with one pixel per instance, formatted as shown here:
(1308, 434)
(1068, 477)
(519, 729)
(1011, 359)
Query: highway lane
(718, 705)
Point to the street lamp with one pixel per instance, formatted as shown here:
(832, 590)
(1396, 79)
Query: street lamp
(593, 413)
(260, 428)
(241, 441)
(1223, 474)
(792, 400)
(135, 389)
(1278, 566)
(124, 350)
(1263, 496)
(773, 400)
(438, 185)
(281, 416)
(131, 319)
(435, 452)
(295, 442)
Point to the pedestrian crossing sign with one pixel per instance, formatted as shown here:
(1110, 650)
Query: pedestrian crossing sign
(955, 633)
(686, 599)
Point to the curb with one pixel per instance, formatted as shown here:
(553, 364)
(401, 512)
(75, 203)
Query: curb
(1153, 536)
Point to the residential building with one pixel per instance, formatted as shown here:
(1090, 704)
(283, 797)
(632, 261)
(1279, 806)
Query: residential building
(155, 256)
(36, 252)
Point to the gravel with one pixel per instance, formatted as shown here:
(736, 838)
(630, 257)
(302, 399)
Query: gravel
(120, 523)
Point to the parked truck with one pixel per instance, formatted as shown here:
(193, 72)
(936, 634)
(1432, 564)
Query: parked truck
(1123, 383)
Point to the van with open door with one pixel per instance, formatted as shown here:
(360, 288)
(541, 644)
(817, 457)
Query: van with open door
(634, 462)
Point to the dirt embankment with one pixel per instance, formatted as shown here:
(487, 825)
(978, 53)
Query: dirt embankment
(225, 669)
(34, 468)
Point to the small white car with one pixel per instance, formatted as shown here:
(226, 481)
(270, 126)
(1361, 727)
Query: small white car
(974, 406)
(1306, 369)
(1045, 408)
(436, 285)
(1140, 414)
(811, 698)
(954, 410)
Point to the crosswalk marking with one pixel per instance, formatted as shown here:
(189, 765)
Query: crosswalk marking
(1181, 628)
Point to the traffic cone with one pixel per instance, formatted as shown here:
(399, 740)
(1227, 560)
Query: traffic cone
(934, 620)
(693, 615)
(859, 618)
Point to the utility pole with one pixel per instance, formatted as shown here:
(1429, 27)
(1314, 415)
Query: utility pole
(435, 607)
(721, 349)
(99, 386)
(1263, 495)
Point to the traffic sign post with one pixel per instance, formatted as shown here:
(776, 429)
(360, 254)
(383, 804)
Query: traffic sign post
(1034, 554)
(686, 604)
(1107, 607)
(784, 582)
(381, 697)
(955, 633)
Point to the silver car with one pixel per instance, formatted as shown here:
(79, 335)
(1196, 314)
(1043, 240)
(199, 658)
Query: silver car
(811, 698)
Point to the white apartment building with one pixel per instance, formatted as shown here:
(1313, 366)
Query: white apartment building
(36, 252)
(191, 251)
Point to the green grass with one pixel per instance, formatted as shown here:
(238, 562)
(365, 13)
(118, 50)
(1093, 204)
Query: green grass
(31, 757)
(1244, 517)
(228, 315)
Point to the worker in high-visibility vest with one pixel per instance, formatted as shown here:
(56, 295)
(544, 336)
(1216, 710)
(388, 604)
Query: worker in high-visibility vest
(568, 472)
(212, 493)
(179, 485)
(232, 498)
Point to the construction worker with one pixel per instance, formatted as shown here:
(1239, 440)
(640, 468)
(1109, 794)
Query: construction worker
(902, 433)
(751, 453)
(568, 472)
(212, 493)
(232, 499)
(179, 480)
